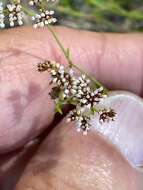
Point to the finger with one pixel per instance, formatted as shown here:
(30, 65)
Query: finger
(125, 132)
(13, 164)
(68, 160)
(114, 59)
(26, 108)
(125, 135)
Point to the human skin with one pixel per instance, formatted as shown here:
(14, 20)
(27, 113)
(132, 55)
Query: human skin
(114, 59)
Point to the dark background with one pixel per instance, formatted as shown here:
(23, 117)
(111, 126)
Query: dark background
(102, 15)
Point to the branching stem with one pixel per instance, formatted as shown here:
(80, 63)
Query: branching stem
(71, 64)
(67, 54)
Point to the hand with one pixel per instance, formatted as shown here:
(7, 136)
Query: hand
(26, 108)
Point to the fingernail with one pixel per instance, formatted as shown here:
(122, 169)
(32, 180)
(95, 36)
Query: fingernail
(126, 132)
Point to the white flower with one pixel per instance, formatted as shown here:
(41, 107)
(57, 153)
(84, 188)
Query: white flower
(15, 14)
(2, 24)
(43, 19)
(71, 72)
(36, 2)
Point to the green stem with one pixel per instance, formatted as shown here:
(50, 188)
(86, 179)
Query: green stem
(66, 54)
(27, 11)
(60, 44)
(71, 64)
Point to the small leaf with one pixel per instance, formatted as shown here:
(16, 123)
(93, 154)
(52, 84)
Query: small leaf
(58, 108)
(72, 101)
(61, 97)
(94, 86)
(93, 110)
(68, 52)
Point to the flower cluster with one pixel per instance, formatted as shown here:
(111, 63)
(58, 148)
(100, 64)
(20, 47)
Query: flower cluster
(14, 11)
(106, 115)
(64, 80)
(86, 96)
(78, 91)
(44, 17)
(2, 25)
(82, 120)
(67, 88)
(37, 2)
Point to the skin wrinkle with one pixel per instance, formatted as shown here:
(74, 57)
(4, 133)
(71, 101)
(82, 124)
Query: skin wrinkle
(134, 80)
(52, 49)
(121, 58)
(110, 58)
(21, 52)
(24, 45)
(103, 40)
(24, 52)
(110, 53)
(7, 54)
(117, 58)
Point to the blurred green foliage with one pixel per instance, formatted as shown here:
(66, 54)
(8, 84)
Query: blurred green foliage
(102, 15)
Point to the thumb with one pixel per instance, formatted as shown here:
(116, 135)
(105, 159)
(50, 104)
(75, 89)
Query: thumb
(126, 131)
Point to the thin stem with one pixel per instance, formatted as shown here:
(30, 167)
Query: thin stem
(60, 44)
(71, 64)
(25, 10)
(66, 54)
